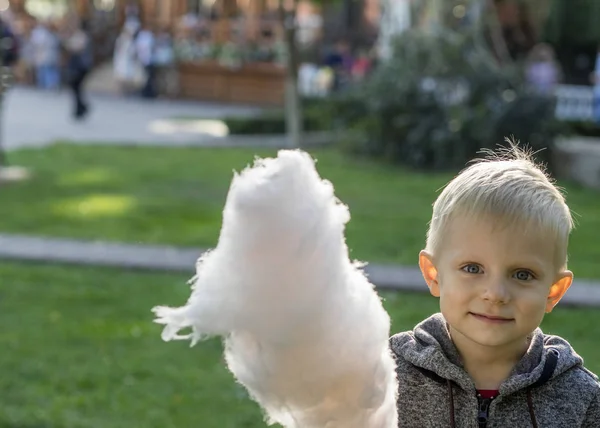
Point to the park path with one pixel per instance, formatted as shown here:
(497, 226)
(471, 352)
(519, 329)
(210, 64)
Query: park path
(169, 258)
(35, 118)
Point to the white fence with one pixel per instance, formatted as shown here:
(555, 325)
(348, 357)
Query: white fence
(574, 103)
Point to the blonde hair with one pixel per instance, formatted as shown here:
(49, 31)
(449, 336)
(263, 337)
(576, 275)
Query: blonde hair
(510, 187)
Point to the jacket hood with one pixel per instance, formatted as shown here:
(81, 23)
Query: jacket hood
(430, 348)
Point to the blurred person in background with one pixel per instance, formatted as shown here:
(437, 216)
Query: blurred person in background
(596, 83)
(164, 58)
(24, 68)
(340, 60)
(361, 66)
(543, 72)
(145, 44)
(45, 45)
(78, 47)
(127, 69)
(132, 11)
(10, 44)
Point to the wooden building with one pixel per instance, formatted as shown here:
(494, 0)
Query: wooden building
(230, 21)
(167, 13)
(260, 83)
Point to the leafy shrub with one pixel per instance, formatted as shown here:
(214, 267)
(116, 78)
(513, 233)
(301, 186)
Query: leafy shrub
(316, 118)
(586, 129)
(440, 99)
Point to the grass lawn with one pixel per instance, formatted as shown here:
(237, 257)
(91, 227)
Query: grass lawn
(175, 196)
(79, 350)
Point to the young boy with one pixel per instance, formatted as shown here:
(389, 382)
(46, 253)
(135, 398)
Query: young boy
(496, 256)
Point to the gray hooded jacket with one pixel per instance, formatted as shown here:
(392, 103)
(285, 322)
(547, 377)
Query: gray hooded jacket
(548, 388)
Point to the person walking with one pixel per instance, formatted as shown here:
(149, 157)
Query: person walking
(79, 63)
(145, 43)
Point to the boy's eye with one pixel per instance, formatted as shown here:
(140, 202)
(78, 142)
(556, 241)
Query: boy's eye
(472, 268)
(523, 275)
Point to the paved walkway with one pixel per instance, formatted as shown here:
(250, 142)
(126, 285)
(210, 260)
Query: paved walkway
(35, 118)
(36, 249)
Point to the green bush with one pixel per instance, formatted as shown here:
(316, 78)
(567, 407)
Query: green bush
(586, 129)
(440, 99)
(268, 123)
(317, 117)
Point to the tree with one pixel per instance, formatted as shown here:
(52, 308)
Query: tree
(572, 25)
(293, 107)
(436, 14)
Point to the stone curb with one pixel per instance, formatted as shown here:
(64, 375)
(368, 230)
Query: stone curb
(178, 259)
(267, 141)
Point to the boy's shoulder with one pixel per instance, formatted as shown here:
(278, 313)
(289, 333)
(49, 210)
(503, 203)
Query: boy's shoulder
(428, 350)
(401, 338)
(570, 398)
(580, 379)
(429, 336)
(433, 326)
(570, 369)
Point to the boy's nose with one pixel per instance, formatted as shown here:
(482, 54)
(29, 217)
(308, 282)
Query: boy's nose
(496, 291)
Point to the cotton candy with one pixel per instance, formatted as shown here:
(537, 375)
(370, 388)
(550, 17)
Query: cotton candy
(304, 331)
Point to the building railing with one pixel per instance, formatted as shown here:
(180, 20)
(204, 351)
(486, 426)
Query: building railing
(574, 103)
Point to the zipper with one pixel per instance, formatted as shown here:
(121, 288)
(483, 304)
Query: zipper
(483, 410)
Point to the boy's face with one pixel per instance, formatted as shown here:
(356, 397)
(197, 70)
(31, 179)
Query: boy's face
(494, 283)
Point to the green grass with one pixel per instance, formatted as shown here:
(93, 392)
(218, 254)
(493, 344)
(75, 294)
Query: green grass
(79, 350)
(176, 195)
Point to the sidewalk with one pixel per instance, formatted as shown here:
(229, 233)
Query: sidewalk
(34, 118)
(130, 256)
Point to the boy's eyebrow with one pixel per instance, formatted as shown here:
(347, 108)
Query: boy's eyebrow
(532, 263)
(459, 259)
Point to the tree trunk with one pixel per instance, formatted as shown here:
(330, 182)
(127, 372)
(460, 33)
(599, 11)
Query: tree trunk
(3, 86)
(293, 107)
(3, 160)
(436, 14)
(490, 13)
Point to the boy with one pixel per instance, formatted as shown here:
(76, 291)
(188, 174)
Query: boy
(496, 256)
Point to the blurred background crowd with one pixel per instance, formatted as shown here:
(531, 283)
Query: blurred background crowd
(166, 47)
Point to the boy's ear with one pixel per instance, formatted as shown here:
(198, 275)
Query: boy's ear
(558, 289)
(429, 272)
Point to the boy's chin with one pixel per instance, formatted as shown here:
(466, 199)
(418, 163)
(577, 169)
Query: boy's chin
(492, 337)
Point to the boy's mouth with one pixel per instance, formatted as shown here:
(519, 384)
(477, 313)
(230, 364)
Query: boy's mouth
(491, 318)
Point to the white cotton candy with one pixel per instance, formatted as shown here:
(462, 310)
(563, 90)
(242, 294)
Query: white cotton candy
(305, 332)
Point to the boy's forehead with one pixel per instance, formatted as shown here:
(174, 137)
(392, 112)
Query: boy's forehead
(497, 223)
(472, 236)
